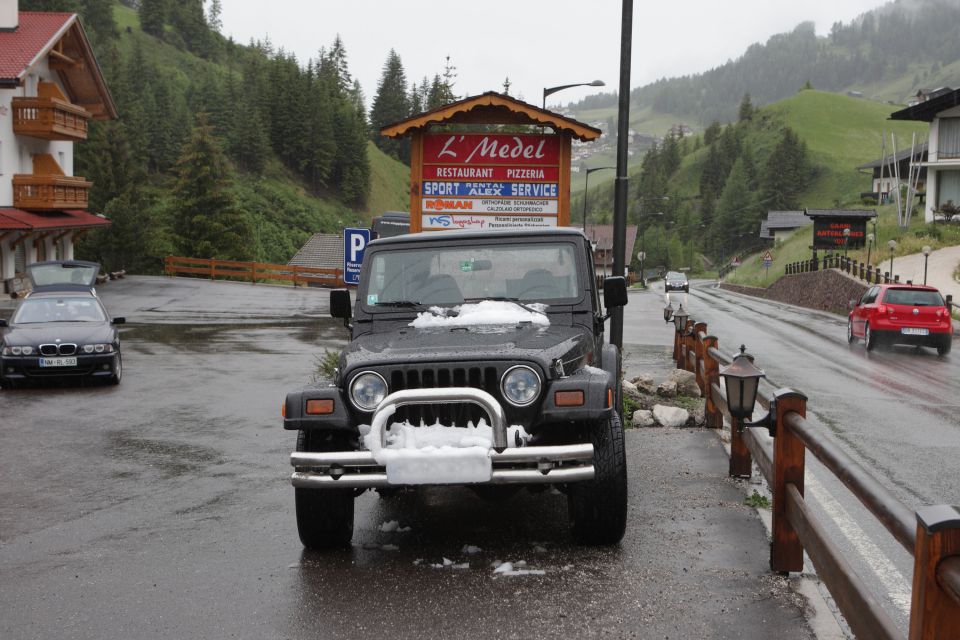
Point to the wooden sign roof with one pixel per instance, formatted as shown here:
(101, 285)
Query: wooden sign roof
(491, 108)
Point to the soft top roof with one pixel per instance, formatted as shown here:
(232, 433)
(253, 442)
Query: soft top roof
(447, 236)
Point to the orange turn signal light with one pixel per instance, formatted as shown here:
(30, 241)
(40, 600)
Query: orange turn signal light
(568, 398)
(609, 397)
(319, 407)
(283, 409)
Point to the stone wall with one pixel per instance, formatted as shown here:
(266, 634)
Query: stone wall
(828, 290)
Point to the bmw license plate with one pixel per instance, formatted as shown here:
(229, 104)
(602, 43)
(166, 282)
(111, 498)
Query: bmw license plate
(914, 331)
(58, 362)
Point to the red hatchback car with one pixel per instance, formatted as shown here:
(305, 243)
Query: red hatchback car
(901, 314)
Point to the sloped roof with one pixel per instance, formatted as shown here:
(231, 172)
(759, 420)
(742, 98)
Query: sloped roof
(42, 33)
(926, 111)
(13, 219)
(492, 108)
(602, 235)
(322, 250)
(36, 34)
(787, 219)
(918, 154)
(840, 213)
(764, 230)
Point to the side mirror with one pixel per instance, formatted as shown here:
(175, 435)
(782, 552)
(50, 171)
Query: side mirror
(119, 320)
(340, 306)
(851, 303)
(3, 323)
(949, 299)
(614, 292)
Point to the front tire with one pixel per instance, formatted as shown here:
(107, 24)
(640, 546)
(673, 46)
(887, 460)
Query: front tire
(117, 371)
(869, 338)
(324, 516)
(598, 508)
(850, 337)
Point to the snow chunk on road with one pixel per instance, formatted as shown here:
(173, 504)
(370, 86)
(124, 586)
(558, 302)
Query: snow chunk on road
(511, 569)
(470, 549)
(485, 312)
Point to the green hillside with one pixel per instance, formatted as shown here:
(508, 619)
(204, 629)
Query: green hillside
(842, 133)
(291, 149)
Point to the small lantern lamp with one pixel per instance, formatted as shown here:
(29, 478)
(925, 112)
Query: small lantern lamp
(742, 378)
(680, 319)
(668, 313)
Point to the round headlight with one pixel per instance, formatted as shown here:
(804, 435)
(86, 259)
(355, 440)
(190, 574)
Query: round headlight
(99, 348)
(16, 350)
(367, 390)
(27, 350)
(520, 385)
(88, 348)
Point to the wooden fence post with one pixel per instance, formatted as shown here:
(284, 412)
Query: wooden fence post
(786, 552)
(711, 374)
(934, 613)
(689, 343)
(698, 350)
(168, 265)
(213, 269)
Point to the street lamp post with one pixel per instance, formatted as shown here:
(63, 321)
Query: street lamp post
(926, 256)
(641, 257)
(551, 90)
(893, 245)
(586, 190)
(870, 238)
(846, 241)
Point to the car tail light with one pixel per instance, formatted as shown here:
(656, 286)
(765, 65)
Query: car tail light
(568, 398)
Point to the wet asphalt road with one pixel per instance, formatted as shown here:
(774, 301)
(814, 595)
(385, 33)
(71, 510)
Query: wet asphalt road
(896, 411)
(161, 508)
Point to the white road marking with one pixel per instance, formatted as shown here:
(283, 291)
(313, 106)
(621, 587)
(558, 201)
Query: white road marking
(897, 586)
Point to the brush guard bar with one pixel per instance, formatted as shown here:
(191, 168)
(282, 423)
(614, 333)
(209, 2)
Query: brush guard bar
(555, 464)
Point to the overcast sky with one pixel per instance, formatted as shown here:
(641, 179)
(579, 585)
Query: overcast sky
(535, 43)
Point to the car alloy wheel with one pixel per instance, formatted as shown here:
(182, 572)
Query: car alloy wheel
(869, 339)
(850, 337)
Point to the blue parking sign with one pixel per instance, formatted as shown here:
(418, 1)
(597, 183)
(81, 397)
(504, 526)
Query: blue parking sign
(354, 244)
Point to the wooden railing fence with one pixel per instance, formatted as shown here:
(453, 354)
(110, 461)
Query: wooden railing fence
(930, 534)
(253, 271)
(867, 273)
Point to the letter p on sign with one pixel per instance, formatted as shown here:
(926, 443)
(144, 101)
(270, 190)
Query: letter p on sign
(354, 243)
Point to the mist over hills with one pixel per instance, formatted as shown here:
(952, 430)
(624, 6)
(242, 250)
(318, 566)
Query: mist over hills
(885, 54)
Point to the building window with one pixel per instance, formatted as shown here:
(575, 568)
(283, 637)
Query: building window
(948, 187)
(61, 158)
(948, 138)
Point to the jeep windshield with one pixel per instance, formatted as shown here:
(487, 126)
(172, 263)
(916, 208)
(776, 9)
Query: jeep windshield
(452, 275)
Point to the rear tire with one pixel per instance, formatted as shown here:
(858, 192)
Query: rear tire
(324, 516)
(869, 338)
(944, 347)
(598, 508)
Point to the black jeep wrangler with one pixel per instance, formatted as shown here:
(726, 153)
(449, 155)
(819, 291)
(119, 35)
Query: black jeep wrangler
(477, 359)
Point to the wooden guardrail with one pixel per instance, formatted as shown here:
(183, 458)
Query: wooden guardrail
(867, 273)
(253, 271)
(930, 534)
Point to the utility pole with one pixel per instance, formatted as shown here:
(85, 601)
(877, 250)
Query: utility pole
(620, 187)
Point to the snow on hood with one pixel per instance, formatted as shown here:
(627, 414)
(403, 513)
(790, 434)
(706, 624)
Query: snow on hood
(485, 312)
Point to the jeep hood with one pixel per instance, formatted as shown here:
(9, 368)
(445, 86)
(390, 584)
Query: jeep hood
(523, 342)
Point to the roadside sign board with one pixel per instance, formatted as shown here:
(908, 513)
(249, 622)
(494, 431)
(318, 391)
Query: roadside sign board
(490, 181)
(354, 244)
(767, 259)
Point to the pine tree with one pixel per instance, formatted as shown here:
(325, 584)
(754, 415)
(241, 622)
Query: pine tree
(787, 173)
(207, 221)
(153, 16)
(215, 16)
(746, 108)
(391, 104)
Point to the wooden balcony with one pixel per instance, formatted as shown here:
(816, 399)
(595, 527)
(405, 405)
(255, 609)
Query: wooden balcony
(49, 192)
(49, 116)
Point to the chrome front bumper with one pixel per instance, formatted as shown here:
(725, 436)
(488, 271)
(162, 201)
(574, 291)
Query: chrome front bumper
(513, 465)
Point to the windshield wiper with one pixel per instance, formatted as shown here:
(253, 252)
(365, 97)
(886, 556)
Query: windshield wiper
(515, 301)
(399, 303)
